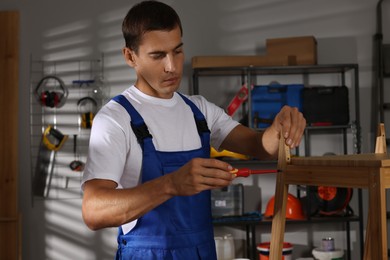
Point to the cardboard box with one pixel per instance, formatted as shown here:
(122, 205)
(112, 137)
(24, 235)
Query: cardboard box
(238, 61)
(304, 48)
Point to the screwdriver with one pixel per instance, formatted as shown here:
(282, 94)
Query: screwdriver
(245, 172)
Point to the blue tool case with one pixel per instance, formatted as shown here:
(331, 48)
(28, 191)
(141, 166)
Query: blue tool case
(267, 100)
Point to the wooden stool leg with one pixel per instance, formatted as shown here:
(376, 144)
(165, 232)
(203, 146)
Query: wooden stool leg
(281, 192)
(369, 251)
(380, 145)
(367, 246)
(279, 219)
(377, 221)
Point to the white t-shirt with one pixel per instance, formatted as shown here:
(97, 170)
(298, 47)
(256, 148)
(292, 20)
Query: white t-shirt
(114, 153)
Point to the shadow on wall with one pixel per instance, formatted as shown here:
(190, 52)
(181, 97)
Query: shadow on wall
(56, 228)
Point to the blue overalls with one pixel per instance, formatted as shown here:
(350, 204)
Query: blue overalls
(180, 228)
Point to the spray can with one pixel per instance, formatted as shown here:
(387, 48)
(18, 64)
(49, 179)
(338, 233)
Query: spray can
(328, 244)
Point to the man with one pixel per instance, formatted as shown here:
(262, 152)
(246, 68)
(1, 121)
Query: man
(148, 170)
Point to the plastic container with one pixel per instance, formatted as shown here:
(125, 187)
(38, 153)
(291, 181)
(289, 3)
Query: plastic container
(228, 201)
(225, 247)
(229, 250)
(267, 100)
(264, 248)
(219, 247)
(320, 254)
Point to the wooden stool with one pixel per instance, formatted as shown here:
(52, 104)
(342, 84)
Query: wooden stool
(371, 171)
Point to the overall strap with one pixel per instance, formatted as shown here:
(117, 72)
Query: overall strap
(137, 122)
(200, 120)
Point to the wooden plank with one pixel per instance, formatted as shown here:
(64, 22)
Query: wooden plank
(9, 45)
(238, 61)
(9, 85)
(352, 160)
(385, 172)
(377, 239)
(10, 239)
(281, 193)
(354, 177)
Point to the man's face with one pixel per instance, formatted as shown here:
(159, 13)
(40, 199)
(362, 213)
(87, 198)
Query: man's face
(158, 63)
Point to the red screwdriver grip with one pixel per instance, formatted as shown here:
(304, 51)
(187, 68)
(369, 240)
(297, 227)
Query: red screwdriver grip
(245, 172)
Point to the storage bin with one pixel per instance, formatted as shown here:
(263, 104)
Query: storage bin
(326, 105)
(320, 254)
(267, 101)
(264, 250)
(228, 201)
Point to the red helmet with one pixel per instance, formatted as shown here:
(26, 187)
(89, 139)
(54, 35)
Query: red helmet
(293, 209)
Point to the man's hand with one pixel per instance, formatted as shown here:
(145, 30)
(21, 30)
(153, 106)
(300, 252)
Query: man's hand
(200, 174)
(290, 124)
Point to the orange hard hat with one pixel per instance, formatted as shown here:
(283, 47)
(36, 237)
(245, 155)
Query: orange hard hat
(293, 209)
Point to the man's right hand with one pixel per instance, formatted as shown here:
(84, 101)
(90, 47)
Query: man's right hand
(200, 174)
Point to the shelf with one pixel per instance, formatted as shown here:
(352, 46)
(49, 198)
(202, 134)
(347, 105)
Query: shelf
(282, 70)
(249, 75)
(325, 127)
(250, 227)
(221, 222)
(330, 127)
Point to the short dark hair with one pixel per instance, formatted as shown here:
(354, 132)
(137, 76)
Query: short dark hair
(148, 16)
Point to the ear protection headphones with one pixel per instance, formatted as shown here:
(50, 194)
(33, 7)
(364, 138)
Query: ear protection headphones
(51, 98)
(87, 113)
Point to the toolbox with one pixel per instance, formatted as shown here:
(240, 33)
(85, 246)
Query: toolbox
(268, 100)
(228, 201)
(326, 105)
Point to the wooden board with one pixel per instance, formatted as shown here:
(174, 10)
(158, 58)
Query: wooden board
(304, 48)
(239, 61)
(353, 160)
(9, 85)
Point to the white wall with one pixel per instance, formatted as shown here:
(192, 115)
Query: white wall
(55, 30)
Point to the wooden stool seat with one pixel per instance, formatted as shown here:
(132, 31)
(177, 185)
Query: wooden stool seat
(370, 171)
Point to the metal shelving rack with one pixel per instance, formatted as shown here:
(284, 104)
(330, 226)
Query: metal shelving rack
(382, 70)
(248, 76)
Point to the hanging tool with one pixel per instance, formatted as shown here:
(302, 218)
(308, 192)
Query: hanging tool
(87, 108)
(245, 172)
(51, 98)
(52, 140)
(239, 98)
(76, 165)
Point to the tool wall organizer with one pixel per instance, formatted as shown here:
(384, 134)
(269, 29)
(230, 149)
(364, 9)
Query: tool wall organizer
(65, 96)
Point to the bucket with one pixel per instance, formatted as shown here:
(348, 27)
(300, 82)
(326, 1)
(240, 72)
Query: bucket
(320, 254)
(263, 249)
